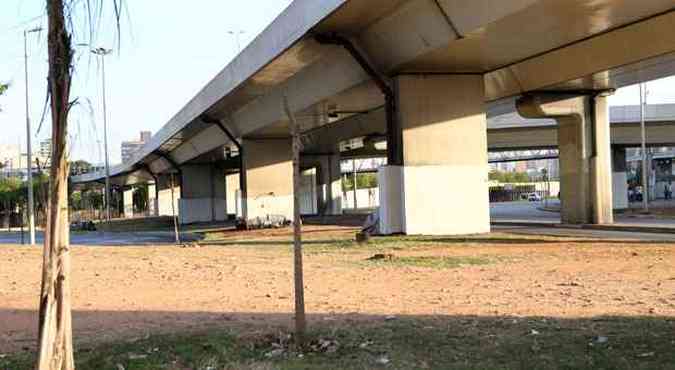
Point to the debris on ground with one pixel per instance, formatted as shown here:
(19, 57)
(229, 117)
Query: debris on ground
(275, 353)
(362, 237)
(382, 360)
(191, 245)
(325, 346)
(382, 256)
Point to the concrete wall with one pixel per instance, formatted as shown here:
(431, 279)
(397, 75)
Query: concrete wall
(365, 198)
(269, 177)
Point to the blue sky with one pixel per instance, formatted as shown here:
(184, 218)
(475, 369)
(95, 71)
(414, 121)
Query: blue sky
(169, 51)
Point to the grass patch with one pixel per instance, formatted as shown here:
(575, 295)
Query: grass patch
(465, 342)
(435, 262)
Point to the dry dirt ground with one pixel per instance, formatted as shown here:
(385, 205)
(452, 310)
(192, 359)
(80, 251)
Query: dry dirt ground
(245, 280)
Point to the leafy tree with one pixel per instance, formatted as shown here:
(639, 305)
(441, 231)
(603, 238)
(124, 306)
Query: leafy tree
(508, 177)
(79, 167)
(3, 89)
(363, 180)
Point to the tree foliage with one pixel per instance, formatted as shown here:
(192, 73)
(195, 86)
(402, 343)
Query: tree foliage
(509, 177)
(363, 181)
(79, 167)
(3, 89)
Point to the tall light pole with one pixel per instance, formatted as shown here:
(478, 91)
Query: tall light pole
(101, 52)
(236, 35)
(645, 167)
(29, 165)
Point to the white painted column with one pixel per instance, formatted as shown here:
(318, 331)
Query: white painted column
(442, 189)
(602, 204)
(128, 202)
(269, 178)
(153, 206)
(619, 178)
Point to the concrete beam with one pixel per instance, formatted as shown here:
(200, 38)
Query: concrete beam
(611, 59)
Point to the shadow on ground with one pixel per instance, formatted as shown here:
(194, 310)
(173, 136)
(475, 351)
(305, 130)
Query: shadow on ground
(149, 340)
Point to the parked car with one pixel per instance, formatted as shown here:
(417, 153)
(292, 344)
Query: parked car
(534, 197)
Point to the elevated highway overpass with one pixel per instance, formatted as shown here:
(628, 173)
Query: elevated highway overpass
(435, 69)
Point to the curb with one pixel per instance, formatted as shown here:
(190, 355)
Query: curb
(623, 228)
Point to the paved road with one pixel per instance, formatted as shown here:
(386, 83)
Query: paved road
(107, 239)
(586, 233)
(530, 212)
(521, 211)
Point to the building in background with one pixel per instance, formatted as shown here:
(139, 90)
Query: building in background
(10, 158)
(129, 148)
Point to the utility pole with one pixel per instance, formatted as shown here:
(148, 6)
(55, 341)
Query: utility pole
(645, 167)
(356, 187)
(235, 35)
(29, 165)
(101, 52)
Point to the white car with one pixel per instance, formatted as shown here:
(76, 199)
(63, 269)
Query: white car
(534, 197)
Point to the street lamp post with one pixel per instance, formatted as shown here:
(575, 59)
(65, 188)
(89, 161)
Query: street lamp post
(236, 35)
(645, 167)
(29, 164)
(101, 52)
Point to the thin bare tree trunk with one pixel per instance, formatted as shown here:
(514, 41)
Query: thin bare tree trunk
(55, 345)
(300, 320)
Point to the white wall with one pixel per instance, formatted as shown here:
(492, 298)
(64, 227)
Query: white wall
(365, 198)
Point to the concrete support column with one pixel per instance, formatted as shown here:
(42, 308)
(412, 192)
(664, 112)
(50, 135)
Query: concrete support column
(442, 188)
(619, 178)
(329, 182)
(128, 202)
(269, 178)
(232, 195)
(203, 194)
(164, 200)
(153, 201)
(585, 155)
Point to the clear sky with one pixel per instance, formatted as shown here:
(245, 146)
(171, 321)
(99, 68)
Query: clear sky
(169, 50)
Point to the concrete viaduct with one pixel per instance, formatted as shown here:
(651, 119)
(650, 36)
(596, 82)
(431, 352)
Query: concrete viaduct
(429, 72)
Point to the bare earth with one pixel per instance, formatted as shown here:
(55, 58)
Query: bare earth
(246, 281)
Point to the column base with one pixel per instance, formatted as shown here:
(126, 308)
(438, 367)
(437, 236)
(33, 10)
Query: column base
(434, 200)
(192, 210)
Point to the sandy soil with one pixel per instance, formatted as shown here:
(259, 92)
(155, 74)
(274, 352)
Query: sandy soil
(129, 292)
